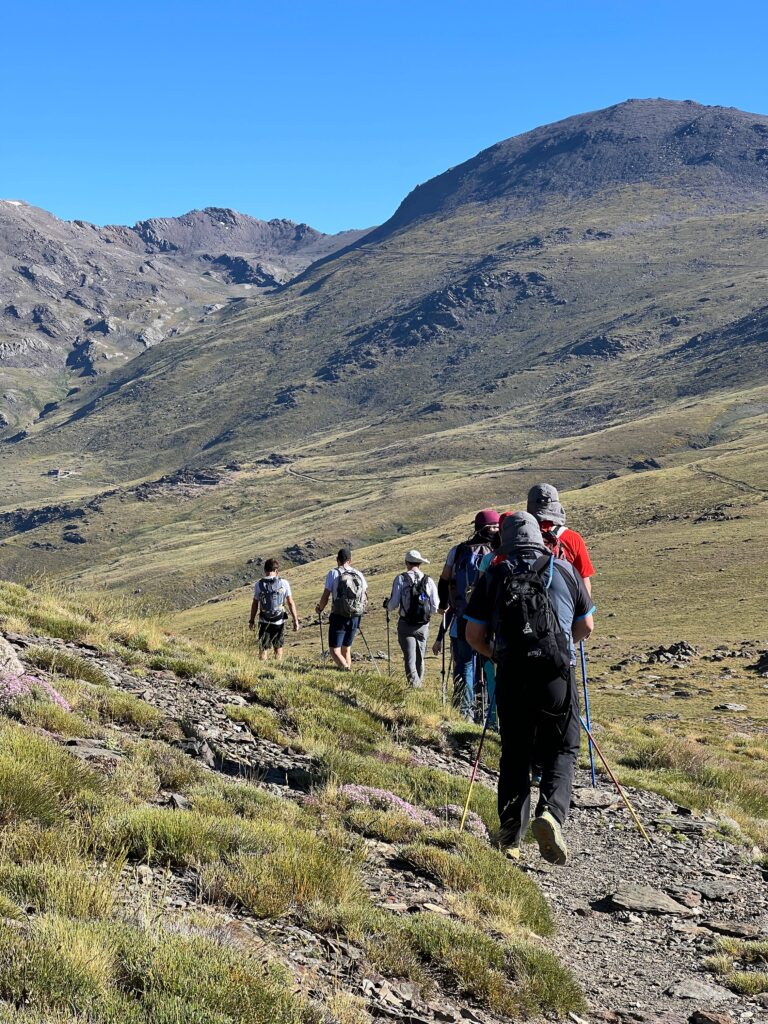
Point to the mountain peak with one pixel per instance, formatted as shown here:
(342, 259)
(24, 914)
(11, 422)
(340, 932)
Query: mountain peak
(702, 151)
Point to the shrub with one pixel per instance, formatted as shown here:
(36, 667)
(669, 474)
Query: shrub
(496, 888)
(75, 889)
(292, 871)
(38, 779)
(65, 663)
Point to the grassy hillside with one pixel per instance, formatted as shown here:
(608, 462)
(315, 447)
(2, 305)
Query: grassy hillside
(85, 929)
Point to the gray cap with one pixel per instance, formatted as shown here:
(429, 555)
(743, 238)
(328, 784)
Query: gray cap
(544, 503)
(413, 557)
(520, 530)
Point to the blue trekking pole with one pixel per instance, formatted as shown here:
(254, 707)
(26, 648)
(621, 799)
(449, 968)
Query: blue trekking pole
(586, 713)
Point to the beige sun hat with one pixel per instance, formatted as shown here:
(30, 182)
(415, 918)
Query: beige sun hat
(415, 558)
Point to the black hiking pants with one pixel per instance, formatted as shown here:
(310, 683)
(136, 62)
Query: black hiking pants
(544, 717)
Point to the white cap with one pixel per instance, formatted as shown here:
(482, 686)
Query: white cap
(415, 558)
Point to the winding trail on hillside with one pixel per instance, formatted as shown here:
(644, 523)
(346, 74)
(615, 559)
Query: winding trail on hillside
(635, 924)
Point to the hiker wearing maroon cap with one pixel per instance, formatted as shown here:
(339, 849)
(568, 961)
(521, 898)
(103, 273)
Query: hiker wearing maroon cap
(544, 504)
(459, 575)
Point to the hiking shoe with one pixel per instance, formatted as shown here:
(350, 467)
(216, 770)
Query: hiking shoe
(549, 835)
(511, 852)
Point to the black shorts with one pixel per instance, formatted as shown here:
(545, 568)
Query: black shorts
(271, 634)
(341, 631)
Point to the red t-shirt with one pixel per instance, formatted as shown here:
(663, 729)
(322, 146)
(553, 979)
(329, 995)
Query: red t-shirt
(574, 550)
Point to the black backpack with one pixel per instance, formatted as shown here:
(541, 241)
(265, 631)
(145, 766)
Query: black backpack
(271, 599)
(528, 638)
(417, 609)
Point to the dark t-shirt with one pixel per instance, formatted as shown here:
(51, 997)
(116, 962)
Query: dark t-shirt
(568, 595)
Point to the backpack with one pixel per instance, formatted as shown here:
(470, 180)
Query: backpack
(553, 542)
(417, 609)
(466, 573)
(271, 599)
(350, 594)
(527, 634)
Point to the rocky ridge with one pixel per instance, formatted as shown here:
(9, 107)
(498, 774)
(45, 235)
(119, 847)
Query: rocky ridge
(80, 298)
(635, 923)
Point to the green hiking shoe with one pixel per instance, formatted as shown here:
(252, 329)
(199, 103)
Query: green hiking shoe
(549, 835)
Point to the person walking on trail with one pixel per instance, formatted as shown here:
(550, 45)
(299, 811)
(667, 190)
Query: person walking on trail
(544, 504)
(459, 575)
(347, 590)
(271, 596)
(415, 595)
(526, 613)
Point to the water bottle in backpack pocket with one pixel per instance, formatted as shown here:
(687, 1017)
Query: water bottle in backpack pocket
(271, 599)
(527, 636)
(414, 600)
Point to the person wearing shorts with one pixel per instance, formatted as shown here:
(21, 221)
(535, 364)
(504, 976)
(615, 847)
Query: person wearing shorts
(342, 586)
(271, 596)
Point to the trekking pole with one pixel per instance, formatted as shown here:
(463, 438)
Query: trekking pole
(617, 784)
(370, 654)
(322, 635)
(389, 649)
(475, 766)
(443, 684)
(586, 712)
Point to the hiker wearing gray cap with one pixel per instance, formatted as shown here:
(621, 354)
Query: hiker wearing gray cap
(415, 595)
(544, 504)
(525, 614)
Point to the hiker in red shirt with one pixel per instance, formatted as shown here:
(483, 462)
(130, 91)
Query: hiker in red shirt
(544, 504)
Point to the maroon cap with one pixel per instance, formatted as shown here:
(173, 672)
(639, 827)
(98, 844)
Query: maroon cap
(486, 517)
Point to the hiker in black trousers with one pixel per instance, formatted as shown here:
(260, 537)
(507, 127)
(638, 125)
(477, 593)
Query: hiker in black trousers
(525, 613)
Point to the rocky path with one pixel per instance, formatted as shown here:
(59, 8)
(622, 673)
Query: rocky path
(635, 923)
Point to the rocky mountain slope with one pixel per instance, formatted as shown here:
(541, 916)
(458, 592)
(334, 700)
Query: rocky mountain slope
(181, 753)
(78, 299)
(582, 297)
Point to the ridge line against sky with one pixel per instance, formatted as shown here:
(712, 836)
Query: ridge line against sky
(327, 113)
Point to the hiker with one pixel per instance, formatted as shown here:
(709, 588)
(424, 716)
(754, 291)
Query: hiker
(526, 613)
(271, 595)
(347, 590)
(489, 669)
(415, 595)
(459, 575)
(544, 504)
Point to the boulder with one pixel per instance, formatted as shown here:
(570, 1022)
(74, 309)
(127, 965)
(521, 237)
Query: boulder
(692, 988)
(645, 900)
(9, 662)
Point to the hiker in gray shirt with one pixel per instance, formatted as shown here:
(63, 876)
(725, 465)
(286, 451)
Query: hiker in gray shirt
(415, 595)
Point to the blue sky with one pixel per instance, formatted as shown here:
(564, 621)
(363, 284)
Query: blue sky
(327, 112)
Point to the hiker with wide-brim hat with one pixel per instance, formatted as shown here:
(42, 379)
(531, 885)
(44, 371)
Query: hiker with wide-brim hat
(347, 589)
(525, 613)
(414, 596)
(459, 575)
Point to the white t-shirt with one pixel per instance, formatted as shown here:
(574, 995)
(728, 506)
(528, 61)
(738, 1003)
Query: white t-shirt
(333, 577)
(284, 590)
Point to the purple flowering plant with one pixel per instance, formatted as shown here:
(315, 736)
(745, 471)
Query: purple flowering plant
(14, 688)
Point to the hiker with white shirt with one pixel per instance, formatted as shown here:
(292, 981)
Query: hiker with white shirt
(415, 596)
(271, 596)
(347, 590)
